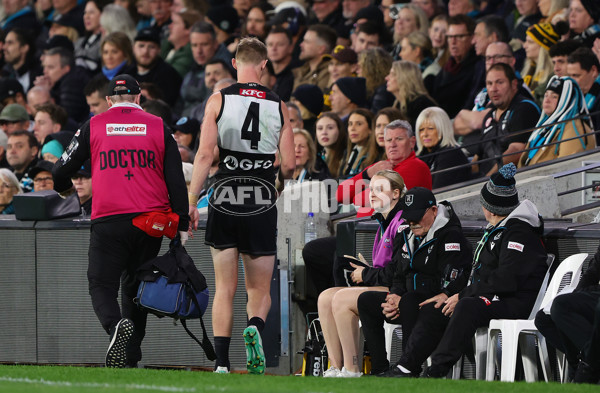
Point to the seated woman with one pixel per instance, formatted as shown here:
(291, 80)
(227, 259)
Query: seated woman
(563, 100)
(437, 147)
(332, 138)
(417, 47)
(338, 312)
(117, 54)
(309, 166)
(373, 65)
(9, 187)
(361, 147)
(384, 117)
(406, 83)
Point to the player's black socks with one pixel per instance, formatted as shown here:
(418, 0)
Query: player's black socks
(258, 322)
(222, 351)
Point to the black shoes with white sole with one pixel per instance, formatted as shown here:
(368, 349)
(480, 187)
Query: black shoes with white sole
(116, 355)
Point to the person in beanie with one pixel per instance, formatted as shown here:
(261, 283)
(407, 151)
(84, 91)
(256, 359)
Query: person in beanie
(309, 99)
(508, 268)
(348, 94)
(584, 16)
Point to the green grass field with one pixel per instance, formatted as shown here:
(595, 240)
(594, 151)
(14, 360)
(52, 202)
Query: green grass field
(29, 379)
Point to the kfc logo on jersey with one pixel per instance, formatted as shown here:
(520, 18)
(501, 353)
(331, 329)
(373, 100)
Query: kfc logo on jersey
(253, 93)
(125, 129)
(452, 247)
(515, 246)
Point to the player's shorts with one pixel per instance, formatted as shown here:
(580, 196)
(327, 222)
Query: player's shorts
(252, 235)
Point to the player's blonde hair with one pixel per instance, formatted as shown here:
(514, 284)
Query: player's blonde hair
(250, 50)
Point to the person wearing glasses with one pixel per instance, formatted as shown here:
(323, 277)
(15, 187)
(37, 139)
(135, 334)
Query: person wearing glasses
(452, 85)
(42, 176)
(9, 187)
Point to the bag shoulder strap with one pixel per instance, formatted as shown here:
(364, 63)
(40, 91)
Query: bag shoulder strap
(206, 345)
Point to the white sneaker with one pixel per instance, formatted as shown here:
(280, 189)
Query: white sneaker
(331, 372)
(221, 370)
(348, 374)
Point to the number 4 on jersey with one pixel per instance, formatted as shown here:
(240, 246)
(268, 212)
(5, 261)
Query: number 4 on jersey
(250, 129)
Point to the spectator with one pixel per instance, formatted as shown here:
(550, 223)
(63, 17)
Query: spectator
(437, 34)
(416, 47)
(384, 117)
(161, 14)
(563, 100)
(292, 17)
(344, 63)
(430, 7)
(49, 119)
(525, 14)
(331, 141)
(504, 127)
(388, 7)
(309, 166)
(368, 35)
(14, 117)
(87, 47)
(11, 92)
(65, 82)
(150, 67)
(399, 149)
(159, 108)
(115, 18)
(338, 311)
(329, 12)
(583, 21)
(463, 7)
(559, 54)
(21, 154)
(295, 115)
(538, 65)
(553, 10)
(410, 18)
(176, 50)
(19, 57)
(9, 187)
(279, 49)
(584, 67)
(351, 8)
(53, 149)
(19, 14)
(225, 21)
(95, 94)
(319, 41)
(309, 99)
(186, 131)
(3, 146)
(437, 147)
(256, 22)
(374, 65)
(37, 95)
(82, 181)
(452, 86)
(42, 176)
(361, 147)
(347, 94)
(424, 266)
(70, 10)
(117, 54)
(406, 84)
(64, 25)
(204, 46)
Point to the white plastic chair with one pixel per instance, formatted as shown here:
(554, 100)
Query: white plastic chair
(389, 330)
(516, 331)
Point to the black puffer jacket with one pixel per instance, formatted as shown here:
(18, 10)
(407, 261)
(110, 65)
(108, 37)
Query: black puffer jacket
(429, 266)
(510, 260)
(68, 93)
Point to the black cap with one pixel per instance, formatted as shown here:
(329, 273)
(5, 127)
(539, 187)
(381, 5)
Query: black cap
(225, 17)
(59, 41)
(291, 15)
(415, 203)
(123, 80)
(41, 166)
(148, 34)
(187, 125)
(85, 170)
(9, 87)
(69, 20)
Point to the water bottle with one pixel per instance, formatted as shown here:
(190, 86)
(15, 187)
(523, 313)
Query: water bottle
(310, 229)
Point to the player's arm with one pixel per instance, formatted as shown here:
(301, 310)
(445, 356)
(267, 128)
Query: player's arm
(286, 146)
(205, 154)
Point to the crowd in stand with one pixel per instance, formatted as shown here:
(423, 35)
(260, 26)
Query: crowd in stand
(493, 70)
(437, 91)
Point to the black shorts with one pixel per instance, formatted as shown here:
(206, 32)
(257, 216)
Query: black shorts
(253, 235)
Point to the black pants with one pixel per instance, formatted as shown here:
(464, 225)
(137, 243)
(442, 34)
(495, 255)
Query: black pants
(469, 314)
(572, 323)
(592, 351)
(117, 249)
(372, 318)
(318, 258)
